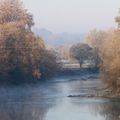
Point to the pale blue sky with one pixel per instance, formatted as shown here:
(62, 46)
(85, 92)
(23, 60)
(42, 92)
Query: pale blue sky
(73, 16)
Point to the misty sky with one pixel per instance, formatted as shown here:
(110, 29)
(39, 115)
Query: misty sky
(73, 16)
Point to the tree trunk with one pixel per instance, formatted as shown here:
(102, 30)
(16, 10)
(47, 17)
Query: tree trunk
(80, 64)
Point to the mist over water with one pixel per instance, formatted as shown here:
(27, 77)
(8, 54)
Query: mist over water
(48, 101)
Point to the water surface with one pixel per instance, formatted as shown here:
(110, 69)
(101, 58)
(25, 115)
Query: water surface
(48, 101)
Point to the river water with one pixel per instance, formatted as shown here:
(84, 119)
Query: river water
(49, 100)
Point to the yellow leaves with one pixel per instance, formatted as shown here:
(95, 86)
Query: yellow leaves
(95, 38)
(115, 64)
(110, 55)
(36, 73)
(13, 11)
(20, 50)
(9, 29)
(40, 43)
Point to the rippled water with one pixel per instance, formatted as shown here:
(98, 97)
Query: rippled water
(48, 101)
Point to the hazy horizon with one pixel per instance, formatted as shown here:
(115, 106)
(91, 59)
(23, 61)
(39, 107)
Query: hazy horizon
(73, 16)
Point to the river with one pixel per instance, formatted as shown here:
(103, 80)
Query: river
(49, 100)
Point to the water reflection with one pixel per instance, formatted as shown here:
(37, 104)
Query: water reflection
(84, 109)
(22, 103)
(110, 110)
(49, 101)
(100, 109)
(22, 112)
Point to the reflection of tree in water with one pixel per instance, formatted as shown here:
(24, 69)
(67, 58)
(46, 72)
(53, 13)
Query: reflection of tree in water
(24, 106)
(22, 112)
(109, 110)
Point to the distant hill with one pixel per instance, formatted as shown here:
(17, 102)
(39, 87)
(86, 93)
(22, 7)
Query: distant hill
(59, 39)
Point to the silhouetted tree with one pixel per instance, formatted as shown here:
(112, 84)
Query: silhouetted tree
(80, 52)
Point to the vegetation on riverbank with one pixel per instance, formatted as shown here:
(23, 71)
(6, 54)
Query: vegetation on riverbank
(103, 49)
(107, 44)
(23, 56)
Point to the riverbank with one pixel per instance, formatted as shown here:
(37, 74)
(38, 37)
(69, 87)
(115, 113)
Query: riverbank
(102, 93)
(83, 73)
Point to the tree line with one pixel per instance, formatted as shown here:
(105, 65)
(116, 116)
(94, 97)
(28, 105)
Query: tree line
(103, 48)
(23, 56)
(90, 50)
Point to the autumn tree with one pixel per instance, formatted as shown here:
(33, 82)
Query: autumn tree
(49, 64)
(22, 54)
(19, 54)
(64, 52)
(110, 55)
(12, 11)
(95, 40)
(110, 59)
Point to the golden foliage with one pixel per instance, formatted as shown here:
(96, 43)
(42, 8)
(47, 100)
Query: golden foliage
(111, 58)
(21, 52)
